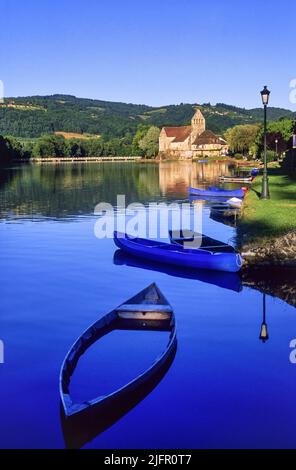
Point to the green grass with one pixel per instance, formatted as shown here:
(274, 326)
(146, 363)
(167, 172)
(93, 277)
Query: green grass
(266, 219)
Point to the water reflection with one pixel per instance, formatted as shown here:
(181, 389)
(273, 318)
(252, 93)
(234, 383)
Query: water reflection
(231, 281)
(59, 191)
(263, 332)
(176, 177)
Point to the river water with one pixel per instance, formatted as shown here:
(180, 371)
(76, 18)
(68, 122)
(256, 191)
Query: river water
(224, 388)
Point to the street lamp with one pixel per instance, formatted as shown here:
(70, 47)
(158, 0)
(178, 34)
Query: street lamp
(276, 148)
(265, 189)
(263, 332)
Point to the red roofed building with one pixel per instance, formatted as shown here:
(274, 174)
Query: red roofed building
(191, 141)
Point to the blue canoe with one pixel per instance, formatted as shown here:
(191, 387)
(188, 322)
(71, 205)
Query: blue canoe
(255, 172)
(217, 192)
(178, 255)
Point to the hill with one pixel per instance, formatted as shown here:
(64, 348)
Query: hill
(33, 116)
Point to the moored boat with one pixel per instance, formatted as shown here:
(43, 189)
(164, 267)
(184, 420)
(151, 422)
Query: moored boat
(236, 179)
(217, 192)
(235, 202)
(180, 237)
(148, 310)
(175, 254)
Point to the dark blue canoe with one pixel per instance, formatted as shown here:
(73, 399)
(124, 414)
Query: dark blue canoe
(217, 192)
(178, 255)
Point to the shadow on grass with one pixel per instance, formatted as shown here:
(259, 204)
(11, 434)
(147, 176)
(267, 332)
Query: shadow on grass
(249, 231)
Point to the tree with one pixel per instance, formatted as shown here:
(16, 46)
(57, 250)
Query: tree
(10, 149)
(51, 146)
(242, 138)
(150, 142)
(280, 130)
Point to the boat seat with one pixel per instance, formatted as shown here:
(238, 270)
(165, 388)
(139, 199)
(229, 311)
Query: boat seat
(144, 308)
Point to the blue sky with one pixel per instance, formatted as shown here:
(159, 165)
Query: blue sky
(152, 52)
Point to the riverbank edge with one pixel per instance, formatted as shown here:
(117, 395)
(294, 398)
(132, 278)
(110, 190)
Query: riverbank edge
(270, 251)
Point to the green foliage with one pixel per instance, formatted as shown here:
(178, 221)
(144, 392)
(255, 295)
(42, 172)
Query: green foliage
(150, 142)
(33, 117)
(10, 149)
(280, 130)
(241, 138)
(271, 156)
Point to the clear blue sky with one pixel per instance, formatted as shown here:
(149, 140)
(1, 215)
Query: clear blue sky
(152, 52)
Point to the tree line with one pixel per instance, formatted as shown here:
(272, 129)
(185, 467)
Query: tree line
(143, 143)
(248, 140)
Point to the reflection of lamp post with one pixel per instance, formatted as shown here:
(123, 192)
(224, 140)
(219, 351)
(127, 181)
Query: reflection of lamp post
(276, 148)
(265, 189)
(263, 332)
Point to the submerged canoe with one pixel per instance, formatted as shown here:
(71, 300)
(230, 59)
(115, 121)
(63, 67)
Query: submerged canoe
(148, 310)
(217, 192)
(178, 255)
(180, 237)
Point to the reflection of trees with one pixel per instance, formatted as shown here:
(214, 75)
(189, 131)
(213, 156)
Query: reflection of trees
(63, 190)
(277, 282)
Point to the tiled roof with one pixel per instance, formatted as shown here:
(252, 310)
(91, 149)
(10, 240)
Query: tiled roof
(179, 133)
(207, 137)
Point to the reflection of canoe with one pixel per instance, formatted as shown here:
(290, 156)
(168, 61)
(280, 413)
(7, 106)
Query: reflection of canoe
(212, 198)
(231, 281)
(236, 179)
(178, 255)
(148, 310)
(229, 221)
(202, 241)
(81, 429)
(217, 192)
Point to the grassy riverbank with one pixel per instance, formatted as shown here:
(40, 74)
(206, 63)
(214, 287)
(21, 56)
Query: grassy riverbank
(265, 219)
(267, 229)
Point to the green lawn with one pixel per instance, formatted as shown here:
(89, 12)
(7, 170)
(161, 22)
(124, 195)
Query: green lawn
(265, 219)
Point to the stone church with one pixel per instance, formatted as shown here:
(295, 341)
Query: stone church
(187, 142)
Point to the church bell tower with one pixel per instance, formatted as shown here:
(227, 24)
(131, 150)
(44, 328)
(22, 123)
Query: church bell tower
(198, 124)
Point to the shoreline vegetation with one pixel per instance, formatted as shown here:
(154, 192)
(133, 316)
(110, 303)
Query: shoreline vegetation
(266, 231)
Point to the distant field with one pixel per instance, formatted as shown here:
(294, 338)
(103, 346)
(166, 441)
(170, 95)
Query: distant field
(75, 135)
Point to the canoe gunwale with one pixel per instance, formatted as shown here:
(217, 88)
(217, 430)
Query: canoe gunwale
(100, 328)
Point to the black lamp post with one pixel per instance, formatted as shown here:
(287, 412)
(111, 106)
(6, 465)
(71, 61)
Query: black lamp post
(265, 189)
(263, 332)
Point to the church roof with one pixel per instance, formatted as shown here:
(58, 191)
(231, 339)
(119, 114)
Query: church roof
(207, 137)
(180, 133)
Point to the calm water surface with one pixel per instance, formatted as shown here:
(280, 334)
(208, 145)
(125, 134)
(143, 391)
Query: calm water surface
(225, 388)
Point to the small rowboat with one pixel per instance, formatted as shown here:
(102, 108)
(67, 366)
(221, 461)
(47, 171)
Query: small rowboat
(235, 202)
(217, 192)
(148, 310)
(236, 179)
(181, 237)
(178, 255)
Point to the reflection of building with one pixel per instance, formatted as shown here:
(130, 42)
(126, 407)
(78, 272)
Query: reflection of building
(191, 141)
(176, 177)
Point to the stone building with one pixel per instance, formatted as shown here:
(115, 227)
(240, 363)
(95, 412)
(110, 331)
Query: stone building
(187, 142)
